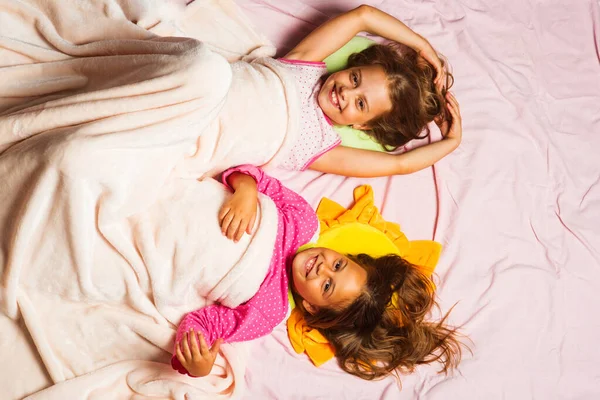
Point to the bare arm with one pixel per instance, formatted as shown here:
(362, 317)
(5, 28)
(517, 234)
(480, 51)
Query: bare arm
(367, 164)
(336, 32)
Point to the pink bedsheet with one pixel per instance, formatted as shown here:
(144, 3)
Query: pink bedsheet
(517, 206)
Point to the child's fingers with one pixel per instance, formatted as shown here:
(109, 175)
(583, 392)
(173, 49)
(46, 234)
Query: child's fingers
(457, 112)
(203, 346)
(223, 212)
(452, 99)
(227, 222)
(251, 224)
(186, 347)
(179, 354)
(224, 215)
(454, 112)
(451, 106)
(241, 229)
(456, 105)
(455, 102)
(233, 227)
(452, 103)
(214, 350)
(195, 350)
(456, 122)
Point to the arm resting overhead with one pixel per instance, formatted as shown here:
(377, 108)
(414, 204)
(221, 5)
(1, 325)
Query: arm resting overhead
(336, 32)
(348, 161)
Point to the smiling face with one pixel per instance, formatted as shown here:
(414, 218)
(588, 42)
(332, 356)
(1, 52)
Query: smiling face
(355, 96)
(325, 278)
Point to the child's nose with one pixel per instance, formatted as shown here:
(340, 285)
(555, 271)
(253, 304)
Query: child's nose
(328, 270)
(342, 92)
(348, 92)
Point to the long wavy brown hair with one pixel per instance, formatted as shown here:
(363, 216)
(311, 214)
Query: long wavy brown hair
(373, 338)
(415, 99)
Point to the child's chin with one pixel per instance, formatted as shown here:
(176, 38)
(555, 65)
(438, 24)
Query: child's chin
(328, 115)
(299, 261)
(321, 99)
(296, 263)
(293, 284)
(329, 111)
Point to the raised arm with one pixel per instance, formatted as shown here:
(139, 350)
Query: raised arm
(336, 32)
(367, 164)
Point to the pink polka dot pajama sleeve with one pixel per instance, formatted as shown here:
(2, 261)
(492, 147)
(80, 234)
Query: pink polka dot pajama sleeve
(259, 315)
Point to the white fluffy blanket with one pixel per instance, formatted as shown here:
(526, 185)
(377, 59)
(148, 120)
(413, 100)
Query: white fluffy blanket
(106, 236)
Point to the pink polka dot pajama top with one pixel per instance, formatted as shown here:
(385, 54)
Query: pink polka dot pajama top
(259, 315)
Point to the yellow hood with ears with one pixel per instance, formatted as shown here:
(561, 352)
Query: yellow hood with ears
(359, 229)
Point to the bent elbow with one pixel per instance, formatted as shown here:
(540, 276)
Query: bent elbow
(365, 15)
(364, 8)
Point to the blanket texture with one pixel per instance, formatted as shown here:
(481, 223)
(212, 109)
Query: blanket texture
(107, 236)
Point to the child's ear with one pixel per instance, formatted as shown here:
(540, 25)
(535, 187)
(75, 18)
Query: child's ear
(309, 307)
(361, 127)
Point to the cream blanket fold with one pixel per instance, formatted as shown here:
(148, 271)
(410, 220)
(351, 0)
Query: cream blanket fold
(106, 236)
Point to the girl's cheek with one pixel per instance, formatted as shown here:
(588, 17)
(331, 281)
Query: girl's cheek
(313, 290)
(308, 289)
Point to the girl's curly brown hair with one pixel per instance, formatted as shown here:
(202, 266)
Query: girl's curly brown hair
(415, 99)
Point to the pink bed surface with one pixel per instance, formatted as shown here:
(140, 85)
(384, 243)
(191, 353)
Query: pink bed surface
(517, 206)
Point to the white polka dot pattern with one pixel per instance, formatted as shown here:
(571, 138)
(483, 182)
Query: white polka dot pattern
(316, 135)
(259, 315)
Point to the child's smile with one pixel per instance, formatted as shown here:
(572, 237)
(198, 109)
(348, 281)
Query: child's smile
(309, 265)
(355, 96)
(333, 97)
(323, 277)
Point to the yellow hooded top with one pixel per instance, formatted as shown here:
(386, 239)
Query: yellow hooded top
(360, 229)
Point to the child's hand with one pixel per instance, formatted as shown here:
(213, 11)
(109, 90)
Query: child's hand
(451, 129)
(238, 214)
(431, 56)
(198, 359)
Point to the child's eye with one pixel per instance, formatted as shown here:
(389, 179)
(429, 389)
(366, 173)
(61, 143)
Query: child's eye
(337, 265)
(327, 286)
(361, 105)
(355, 80)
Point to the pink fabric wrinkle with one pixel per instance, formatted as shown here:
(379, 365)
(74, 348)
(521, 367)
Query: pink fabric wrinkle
(530, 127)
(583, 242)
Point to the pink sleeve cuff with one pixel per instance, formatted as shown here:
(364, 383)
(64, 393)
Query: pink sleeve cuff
(247, 169)
(176, 365)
